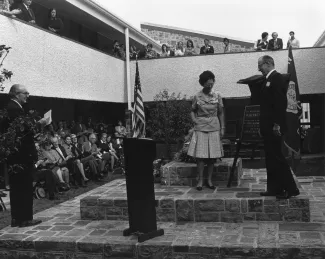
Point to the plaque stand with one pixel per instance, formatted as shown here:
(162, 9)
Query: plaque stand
(139, 157)
(249, 133)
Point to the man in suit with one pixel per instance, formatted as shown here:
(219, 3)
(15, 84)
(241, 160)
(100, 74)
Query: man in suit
(262, 43)
(275, 43)
(22, 11)
(206, 49)
(21, 181)
(280, 182)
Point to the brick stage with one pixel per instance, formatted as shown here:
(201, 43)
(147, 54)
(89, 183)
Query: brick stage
(64, 235)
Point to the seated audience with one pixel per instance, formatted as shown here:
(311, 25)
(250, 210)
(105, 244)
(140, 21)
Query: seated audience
(226, 46)
(90, 148)
(70, 163)
(53, 163)
(78, 151)
(262, 43)
(206, 49)
(22, 11)
(275, 43)
(79, 126)
(293, 42)
(179, 51)
(67, 145)
(164, 52)
(90, 124)
(60, 128)
(170, 51)
(112, 145)
(190, 50)
(150, 53)
(62, 137)
(55, 24)
(41, 173)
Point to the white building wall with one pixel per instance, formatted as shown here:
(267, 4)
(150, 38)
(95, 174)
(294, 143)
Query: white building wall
(53, 66)
(181, 74)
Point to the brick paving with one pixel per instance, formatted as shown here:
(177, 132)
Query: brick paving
(64, 235)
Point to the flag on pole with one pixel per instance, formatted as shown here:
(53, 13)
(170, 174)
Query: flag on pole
(138, 118)
(292, 136)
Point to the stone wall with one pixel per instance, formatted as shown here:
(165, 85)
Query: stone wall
(171, 38)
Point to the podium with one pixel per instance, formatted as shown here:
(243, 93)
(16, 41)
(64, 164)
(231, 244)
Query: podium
(139, 156)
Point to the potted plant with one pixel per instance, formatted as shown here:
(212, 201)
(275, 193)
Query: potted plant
(4, 73)
(169, 121)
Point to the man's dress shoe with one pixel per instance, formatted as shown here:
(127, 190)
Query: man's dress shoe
(268, 193)
(287, 195)
(30, 223)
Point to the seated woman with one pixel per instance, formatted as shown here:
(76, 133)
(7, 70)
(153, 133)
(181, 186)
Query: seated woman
(53, 160)
(106, 151)
(164, 52)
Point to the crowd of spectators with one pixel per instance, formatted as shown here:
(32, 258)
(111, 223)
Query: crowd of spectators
(72, 154)
(275, 43)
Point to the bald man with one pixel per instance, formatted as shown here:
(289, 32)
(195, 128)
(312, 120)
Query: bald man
(21, 182)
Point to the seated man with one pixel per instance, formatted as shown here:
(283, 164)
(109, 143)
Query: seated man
(41, 173)
(69, 162)
(67, 145)
(105, 148)
(120, 132)
(90, 148)
(77, 151)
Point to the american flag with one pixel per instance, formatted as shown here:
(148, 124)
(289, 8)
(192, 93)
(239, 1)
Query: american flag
(138, 118)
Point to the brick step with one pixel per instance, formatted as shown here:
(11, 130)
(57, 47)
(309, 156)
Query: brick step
(186, 204)
(185, 174)
(72, 238)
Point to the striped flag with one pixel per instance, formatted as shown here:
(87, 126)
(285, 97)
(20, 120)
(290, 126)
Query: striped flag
(292, 136)
(138, 118)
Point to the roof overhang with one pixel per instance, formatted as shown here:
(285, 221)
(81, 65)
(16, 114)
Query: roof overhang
(320, 41)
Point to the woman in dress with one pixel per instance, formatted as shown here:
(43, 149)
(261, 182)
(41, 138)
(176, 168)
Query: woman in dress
(208, 117)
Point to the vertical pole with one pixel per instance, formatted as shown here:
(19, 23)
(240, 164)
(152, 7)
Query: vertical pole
(127, 70)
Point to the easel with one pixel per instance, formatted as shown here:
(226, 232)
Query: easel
(249, 133)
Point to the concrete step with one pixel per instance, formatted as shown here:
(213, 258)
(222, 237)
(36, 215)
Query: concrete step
(186, 204)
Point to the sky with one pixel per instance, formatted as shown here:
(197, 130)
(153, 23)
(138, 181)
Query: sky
(241, 19)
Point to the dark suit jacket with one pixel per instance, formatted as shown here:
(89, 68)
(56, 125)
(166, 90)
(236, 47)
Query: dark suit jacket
(271, 44)
(26, 14)
(273, 103)
(210, 50)
(27, 153)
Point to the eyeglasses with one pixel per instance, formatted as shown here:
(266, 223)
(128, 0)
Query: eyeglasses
(25, 93)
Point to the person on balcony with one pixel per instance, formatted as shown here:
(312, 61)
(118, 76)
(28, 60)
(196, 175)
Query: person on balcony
(275, 43)
(179, 49)
(293, 42)
(190, 50)
(150, 53)
(206, 49)
(22, 11)
(208, 117)
(164, 52)
(226, 46)
(55, 23)
(262, 43)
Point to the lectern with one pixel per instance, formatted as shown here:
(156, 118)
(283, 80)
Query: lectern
(139, 156)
